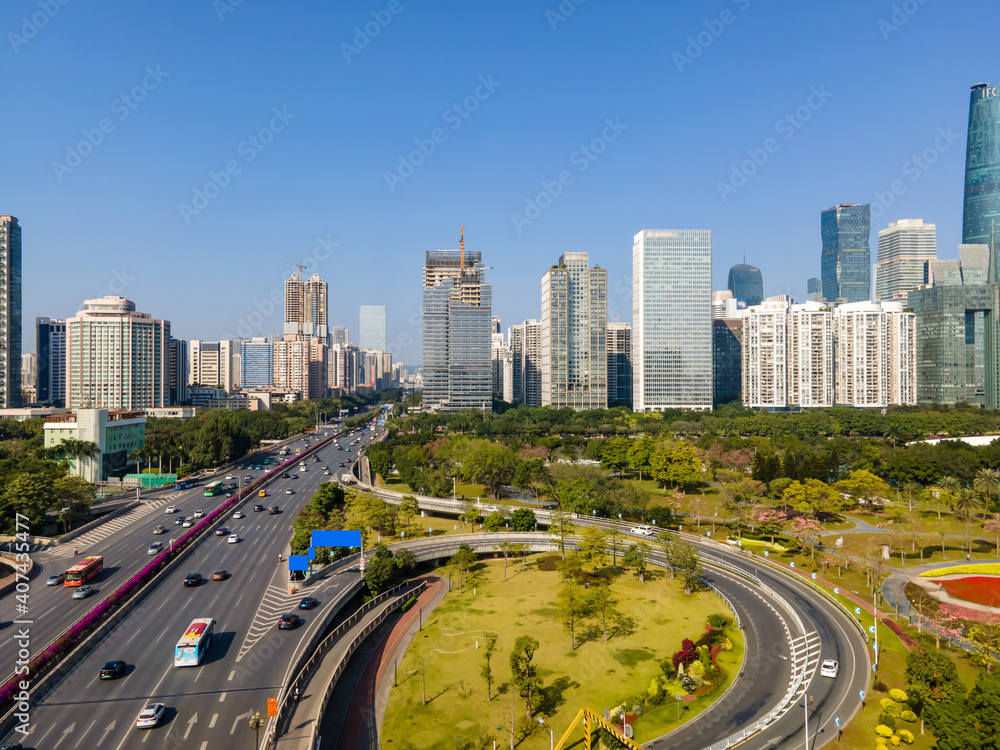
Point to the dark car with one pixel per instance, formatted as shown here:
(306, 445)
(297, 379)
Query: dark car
(286, 475)
(289, 621)
(192, 579)
(258, 507)
(15, 746)
(221, 531)
(112, 670)
(273, 510)
(308, 603)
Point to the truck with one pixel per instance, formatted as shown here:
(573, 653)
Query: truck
(347, 478)
(283, 452)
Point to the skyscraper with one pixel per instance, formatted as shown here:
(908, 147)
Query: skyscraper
(814, 290)
(727, 366)
(306, 306)
(904, 249)
(300, 364)
(526, 347)
(982, 165)
(876, 354)
(339, 336)
(672, 319)
(574, 334)
(457, 306)
(10, 313)
(50, 346)
(846, 261)
(372, 329)
(211, 363)
(746, 283)
(117, 358)
(177, 371)
(256, 363)
(620, 364)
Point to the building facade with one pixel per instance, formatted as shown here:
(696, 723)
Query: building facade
(177, 371)
(371, 334)
(672, 319)
(256, 363)
(211, 364)
(764, 343)
(814, 290)
(846, 260)
(50, 346)
(810, 355)
(306, 306)
(746, 283)
(116, 358)
(115, 433)
(876, 354)
(526, 348)
(574, 334)
(619, 348)
(727, 360)
(300, 364)
(981, 207)
(10, 313)
(905, 248)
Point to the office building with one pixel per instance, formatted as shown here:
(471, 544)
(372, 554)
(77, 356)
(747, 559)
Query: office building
(256, 363)
(10, 313)
(117, 358)
(29, 376)
(50, 347)
(672, 319)
(814, 290)
(501, 363)
(211, 364)
(177, 371)
(981, 208)
(619, 346)
(526, 348)
(371, 334)
(727, 364)
(846, 260)
(746, 283)
(876, 362)
(457, 308)
(300, 364)
(905, 248)
(306, 306)
(117, 434)
(339, 336)
(574, 334)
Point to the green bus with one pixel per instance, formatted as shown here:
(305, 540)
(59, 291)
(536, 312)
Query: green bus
(213, 488)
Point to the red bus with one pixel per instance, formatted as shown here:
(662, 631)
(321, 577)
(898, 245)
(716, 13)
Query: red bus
(85, 570)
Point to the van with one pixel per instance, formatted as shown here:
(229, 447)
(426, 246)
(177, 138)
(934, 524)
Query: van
(262, 493)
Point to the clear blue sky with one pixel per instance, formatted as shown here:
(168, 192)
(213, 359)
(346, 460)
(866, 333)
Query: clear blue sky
(112, 220)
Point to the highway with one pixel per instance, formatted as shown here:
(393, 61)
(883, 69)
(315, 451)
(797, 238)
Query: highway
(245, 663)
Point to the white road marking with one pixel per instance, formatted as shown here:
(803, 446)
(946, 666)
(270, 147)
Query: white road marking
(237, 720)
(231, 675)
(83, 736)
(222, 697)
(211, 724)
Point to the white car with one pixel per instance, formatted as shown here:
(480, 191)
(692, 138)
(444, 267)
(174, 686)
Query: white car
(154, 548)
(83, 592)
(150, 716)
(172, 509)
(239, 514)
(229, 477)
(199, 513)
(641, 531)
(233, 539)
(829, 668)
(188, 523)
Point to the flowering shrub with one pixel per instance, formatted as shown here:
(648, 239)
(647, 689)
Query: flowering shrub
(898, 695)
(906, 736)
(883, 731)
(686, 655)
(978, 568)
(907, 716)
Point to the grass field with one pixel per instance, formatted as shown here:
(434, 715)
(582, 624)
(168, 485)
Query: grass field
(597, 674)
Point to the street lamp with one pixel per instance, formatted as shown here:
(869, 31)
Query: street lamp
(551, 737)
(256, 722)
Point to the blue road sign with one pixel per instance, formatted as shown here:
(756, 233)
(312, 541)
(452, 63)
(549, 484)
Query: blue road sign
(836, 720)
(814, 576)
(871, 628)
(862, 694)
(836, 591)
(857, 610)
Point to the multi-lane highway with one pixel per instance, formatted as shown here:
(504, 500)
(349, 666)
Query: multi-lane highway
(247, 659)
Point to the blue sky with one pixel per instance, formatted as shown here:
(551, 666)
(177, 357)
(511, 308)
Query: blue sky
(633, 114)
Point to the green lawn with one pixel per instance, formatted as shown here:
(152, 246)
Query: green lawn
(599, 675)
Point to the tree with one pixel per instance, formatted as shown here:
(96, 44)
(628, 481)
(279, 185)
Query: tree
(523, 519)
(640, 454)
(863, 486)
(969, 723)
(811, 496)
(593, 547)
(408, 510)
(560, 527)
(497, 520)
(380, 572)
(406, 561)
(530, 475)
(687, 561)
(30, 495)
(523, 670)
(614, 454)
(462, 561)
(636, 558)
(572, 608)
(807, 531)
(675, 464)
(613, 537)
(992, 525)
(768, 520)
(604, 603)
(965, 503)
(507, 550)
(470, 513)
(743, 490)
(987, 481)
(487, 670)
(911, 490)
(931, 678)
(492, 465)
(985, 636)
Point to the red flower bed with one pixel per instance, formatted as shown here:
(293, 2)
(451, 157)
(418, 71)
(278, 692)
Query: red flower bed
(978, 589)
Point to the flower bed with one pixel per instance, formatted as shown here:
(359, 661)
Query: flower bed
(977, 568)
(977, 589)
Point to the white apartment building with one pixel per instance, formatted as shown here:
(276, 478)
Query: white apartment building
(765, 359)
(876, 354)
(810, 355)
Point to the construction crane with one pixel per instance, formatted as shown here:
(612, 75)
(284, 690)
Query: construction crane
(302, 301)
(461, 249)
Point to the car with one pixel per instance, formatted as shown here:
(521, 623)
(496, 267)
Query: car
(55, 579)
(15, 746)
(308, 603)
(273, 510)
(286, 475)
(257, 508)
(233, 539)
(289, 621)
(221, 531)
(192, 579)
(829, 668)
(340, 447)
(150, 716)
(172, 509)
(229, 494)
(248, 478)
(154, 548)
(326, 472)
(199, 514)
(641, 530)
(220, 575)
(239, 514)
(289, 492)
(83, 592)
(294, 476)
(188, 523)
(160, 530)
(179, 520)
(112, 670)
(229, 477)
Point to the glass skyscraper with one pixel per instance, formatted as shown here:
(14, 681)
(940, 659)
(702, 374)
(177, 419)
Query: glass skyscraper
(10, 312)
(672, 319)
(256, 363)
(982, 165)
(372, 330)
(846, 262)
(746, 282)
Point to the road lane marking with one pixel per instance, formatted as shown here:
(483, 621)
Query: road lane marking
(237, 720)
(222, 697)
(85, 732)
(231, 675)
(211, 724)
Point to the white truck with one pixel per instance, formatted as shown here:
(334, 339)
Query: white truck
(347, 478)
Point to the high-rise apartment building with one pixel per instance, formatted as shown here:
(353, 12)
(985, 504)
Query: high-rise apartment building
(727, 365)
(177, 371)
(50, 346)
(372, 330)
(765, 358)
(619, 364)
(725, 305)
(117, 358)
(672, 319)
(300, 365)
(574, 334)
(306, 306)
(981, 208)
(457, 306)
(10, 313)
(344, 367)
(526, 347)
(211, 364)
(905, 248)
(746, 283)
(876, 354)
(846, 260)
(810, 355)
(256, 363)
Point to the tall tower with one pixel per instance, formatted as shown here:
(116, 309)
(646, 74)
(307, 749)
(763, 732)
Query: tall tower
(10, 312)
(371, 335)
(904, 249)
(50, 346)
(746, 282)
(982, 165)
(846, 261)
(574, 334)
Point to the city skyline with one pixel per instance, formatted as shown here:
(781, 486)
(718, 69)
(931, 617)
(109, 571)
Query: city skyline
(150, 159)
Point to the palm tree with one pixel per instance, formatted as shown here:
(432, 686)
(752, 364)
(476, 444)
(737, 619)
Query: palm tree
(911, 490)
(965, 503)
(950, 485)
(988, 481)
(79, 449)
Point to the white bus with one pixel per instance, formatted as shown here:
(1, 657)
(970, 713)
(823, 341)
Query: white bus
(194, 643)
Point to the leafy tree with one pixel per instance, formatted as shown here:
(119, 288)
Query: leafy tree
(470, 513)
(637, 558)
(931, 679)
(573, 606)
(408, 510)
(497, 520)
(492, 465)
(969, 723)
(523, 519)
(379, 459)
(640, 454)
(687, 562)
(560, 527)
(406, 561)
(530, 475)
(380, 572)
(614, 454)
(523, 670)
(487, 670)
(807, 531)
(675, 464)
(811, 496)
(462, 561)
(603, 602)
(768, 520)
(863, 486)
(31, 496)
(508, 550)
(593, 547)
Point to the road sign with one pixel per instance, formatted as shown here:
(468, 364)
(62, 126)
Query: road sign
(836, 720)
(836, 591)
(857, 610)
(793, 565)
(272, 706)
(871, 628)
(766, 553)
(814, 576)
(862, 694)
